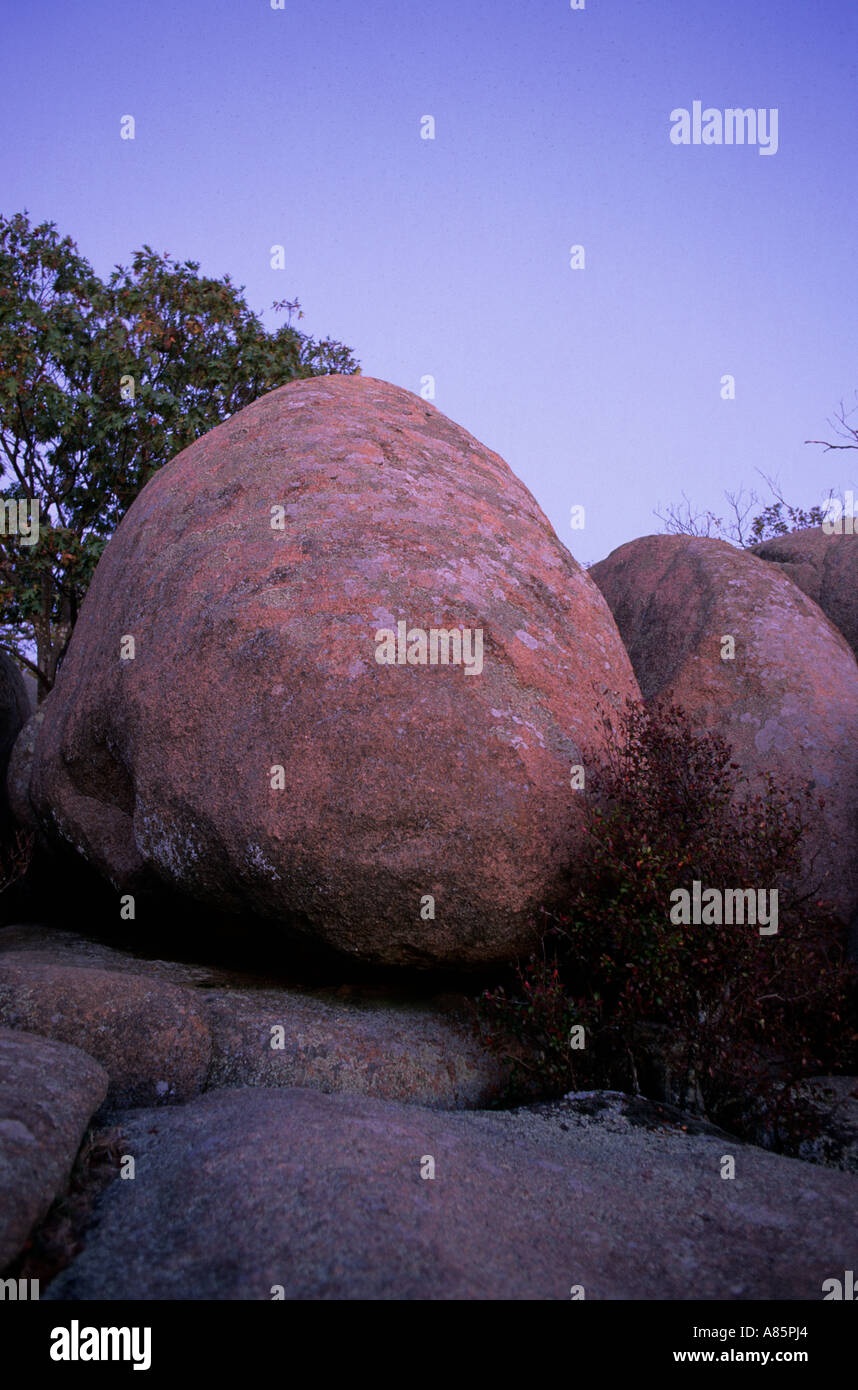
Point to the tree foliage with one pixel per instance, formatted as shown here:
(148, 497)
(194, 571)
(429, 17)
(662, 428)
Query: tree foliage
(101, 383)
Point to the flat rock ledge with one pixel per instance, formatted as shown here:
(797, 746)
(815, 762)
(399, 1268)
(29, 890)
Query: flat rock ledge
(165, 1031)
(257, 1193)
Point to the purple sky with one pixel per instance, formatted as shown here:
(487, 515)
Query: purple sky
(450, 257)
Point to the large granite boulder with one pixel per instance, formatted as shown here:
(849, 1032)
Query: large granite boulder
(788, 699)
(272, 748)
(825, 567)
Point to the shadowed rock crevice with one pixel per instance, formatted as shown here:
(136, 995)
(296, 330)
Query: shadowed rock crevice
(48, 1094)
(57, 1240)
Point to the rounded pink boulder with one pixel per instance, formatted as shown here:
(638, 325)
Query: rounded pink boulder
(333, 672)
(731, 639)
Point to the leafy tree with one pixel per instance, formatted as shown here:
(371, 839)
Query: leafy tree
(101, 384)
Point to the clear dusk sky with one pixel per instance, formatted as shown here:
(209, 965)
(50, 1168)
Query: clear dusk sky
(450, 257)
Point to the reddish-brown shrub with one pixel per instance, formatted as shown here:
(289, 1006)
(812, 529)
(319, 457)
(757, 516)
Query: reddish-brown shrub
(737, 1012)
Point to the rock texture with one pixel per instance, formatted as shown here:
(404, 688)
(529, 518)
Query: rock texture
(14, 713)
(165, 1031)
(20, 768)
(148, 1035)
(48, 1092)
(825, 568)
(374, 1048)
(243, 1193)
(835, 1102)
(788, 702)
(256, 649)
